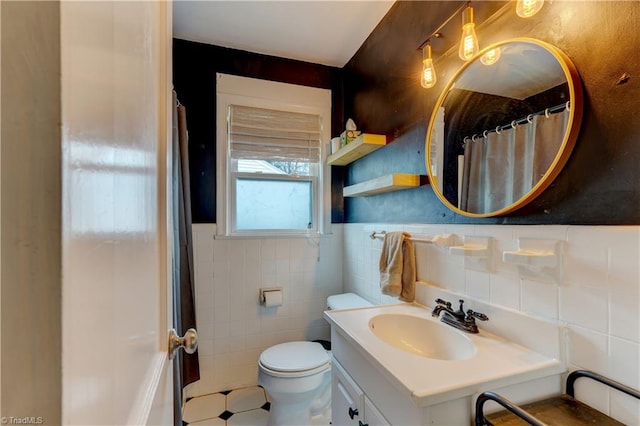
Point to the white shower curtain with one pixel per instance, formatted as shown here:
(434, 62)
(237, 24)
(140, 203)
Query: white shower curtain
(504, 166)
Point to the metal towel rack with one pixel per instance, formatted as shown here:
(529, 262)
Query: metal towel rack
(441, 240)
(576, 408)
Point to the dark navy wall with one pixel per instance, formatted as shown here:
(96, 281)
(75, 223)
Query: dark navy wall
(600, 183)
(380, 90)
(194, 69)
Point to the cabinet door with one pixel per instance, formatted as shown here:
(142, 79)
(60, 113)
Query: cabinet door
(373, 417)
(346, 398)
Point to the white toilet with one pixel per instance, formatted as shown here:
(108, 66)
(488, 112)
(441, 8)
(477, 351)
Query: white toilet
(297, 375)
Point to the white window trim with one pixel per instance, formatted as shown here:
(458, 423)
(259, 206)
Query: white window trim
(253, 92)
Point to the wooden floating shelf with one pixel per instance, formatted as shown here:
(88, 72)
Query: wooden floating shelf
(379, 185)
(357, 148)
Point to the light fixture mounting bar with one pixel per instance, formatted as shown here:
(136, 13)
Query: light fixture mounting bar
(436, 33)
(428, 40)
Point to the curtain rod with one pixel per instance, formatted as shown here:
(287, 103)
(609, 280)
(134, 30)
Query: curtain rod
(522, 120)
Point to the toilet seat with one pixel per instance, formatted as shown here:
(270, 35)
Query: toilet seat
(294, 374)
(294, 359)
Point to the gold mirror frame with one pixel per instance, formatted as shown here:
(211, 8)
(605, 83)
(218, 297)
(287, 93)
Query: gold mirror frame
(570, 136)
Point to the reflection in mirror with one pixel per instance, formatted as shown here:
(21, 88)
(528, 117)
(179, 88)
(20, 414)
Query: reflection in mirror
(502, 128)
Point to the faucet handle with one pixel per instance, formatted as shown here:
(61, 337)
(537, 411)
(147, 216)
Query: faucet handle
(473, 314)
(443, 302)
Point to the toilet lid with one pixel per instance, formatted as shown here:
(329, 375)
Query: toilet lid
(294, 356)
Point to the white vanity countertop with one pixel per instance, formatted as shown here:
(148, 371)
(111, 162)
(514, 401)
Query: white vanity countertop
(428, 381)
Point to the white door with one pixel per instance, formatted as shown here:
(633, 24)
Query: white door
(115, 66)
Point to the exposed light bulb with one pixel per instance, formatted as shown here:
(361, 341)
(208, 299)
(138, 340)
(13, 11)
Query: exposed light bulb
(491, 57)
(469, 41)
(528, 8)
(428, 76)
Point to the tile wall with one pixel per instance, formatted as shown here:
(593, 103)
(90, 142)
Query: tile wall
(598, 298)
(233, 329)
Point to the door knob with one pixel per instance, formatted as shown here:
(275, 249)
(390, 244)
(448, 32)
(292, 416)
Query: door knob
(189, 342)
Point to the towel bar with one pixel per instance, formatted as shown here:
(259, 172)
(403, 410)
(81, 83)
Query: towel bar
(444, 240)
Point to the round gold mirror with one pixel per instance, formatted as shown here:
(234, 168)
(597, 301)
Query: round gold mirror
(503, 127)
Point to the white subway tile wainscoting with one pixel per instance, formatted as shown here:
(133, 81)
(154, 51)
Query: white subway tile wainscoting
(233, 328)
(597, 298)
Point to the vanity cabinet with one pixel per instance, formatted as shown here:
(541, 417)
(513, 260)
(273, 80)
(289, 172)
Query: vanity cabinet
(373, 417)
(347, 399)
(378, 401)
(374, 383)
(350, 406)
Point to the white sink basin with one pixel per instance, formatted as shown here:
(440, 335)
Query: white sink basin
(422, 336)
(433, 362)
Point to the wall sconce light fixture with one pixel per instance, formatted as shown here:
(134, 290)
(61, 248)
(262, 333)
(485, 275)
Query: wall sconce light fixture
(469, 41)
(528, 8)
(468, 46)
(428, 77)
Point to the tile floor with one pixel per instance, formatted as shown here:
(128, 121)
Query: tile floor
(241, 407)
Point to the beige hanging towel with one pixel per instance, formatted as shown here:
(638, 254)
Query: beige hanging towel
(398, 266)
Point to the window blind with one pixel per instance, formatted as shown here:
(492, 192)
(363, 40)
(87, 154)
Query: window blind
(265, 134)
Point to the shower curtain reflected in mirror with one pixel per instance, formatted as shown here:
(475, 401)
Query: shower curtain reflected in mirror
(504, 166)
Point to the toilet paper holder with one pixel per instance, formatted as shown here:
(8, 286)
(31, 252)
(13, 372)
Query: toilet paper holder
(267, 290)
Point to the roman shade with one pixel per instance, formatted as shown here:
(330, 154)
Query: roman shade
(266, 134)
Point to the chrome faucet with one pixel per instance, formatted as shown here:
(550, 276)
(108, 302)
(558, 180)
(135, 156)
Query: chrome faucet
(458, 319)
(443, 305)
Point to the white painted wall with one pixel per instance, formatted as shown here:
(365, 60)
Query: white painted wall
(233, 329)
(598, 300)
(30, 226)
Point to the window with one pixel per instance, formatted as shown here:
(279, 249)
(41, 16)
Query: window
(274, 166)
(271, 150)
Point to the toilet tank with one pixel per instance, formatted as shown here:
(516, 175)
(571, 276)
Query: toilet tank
(346, 301)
